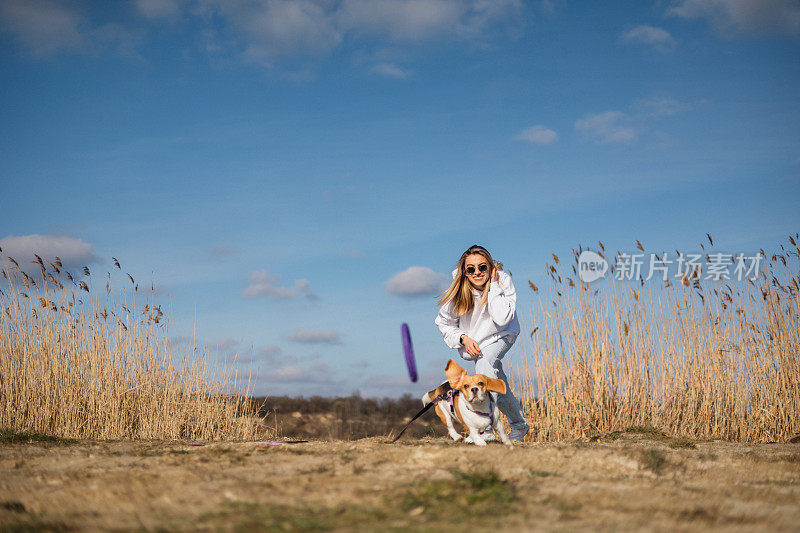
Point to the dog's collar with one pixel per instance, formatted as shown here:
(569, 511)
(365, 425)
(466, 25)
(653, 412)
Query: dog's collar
(489, 415)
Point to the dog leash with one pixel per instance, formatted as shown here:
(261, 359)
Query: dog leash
(449, 395)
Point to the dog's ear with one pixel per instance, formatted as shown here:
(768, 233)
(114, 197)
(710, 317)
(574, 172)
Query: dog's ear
(454, 373)
(495, 385)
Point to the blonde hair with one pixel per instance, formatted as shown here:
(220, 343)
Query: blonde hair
(460, 290)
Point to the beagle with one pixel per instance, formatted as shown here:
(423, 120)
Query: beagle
(470, 402)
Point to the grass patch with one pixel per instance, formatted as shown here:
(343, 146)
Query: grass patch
(147, 452)
(682, 443)
(289, 450)
(699, 514)
(319, 469)
(610, 437)
(256, 517)
(33, 525)
(653, 460)
(9, 436)
(480, 491)
(417, 507)
(564, 506)
(540, 473)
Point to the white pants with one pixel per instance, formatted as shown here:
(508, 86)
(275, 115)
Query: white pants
(490, 364)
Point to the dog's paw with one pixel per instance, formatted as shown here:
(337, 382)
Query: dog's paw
(476, 439)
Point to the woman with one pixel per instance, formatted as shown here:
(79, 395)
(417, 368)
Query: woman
(478, 317)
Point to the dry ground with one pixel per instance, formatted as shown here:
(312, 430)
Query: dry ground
(631, 480)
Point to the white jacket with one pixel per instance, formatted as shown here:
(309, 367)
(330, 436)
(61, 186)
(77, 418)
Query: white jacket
(483, 325)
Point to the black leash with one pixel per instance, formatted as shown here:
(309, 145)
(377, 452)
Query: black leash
(433, 402)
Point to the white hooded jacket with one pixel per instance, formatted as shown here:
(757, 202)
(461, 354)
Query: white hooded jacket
(483, 325)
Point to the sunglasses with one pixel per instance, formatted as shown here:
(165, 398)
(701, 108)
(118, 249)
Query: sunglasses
(481, 268)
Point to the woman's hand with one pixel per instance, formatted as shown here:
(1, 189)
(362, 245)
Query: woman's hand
(472, 347)
(494, 277)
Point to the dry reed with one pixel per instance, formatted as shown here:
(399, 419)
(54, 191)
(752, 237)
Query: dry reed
(74, 366)
(697, 358)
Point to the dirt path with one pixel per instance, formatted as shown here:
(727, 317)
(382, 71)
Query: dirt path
(631, 481)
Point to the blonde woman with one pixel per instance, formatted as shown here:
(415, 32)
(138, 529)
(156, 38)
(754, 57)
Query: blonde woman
(478, 317)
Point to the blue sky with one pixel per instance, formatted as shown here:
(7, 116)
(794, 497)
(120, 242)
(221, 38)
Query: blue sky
(273, 165)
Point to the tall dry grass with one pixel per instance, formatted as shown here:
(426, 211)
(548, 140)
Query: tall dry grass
(76, 365)
(693, 357)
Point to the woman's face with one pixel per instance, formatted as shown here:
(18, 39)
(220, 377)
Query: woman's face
(479, 268)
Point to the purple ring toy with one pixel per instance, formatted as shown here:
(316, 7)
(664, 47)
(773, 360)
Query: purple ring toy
(408, 348)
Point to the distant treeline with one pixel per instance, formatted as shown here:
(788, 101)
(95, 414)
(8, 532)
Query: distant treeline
(350, 417)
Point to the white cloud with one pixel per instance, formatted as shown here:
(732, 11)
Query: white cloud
(611, 127)
(43, 26)
(416, 281)
(321, 336)
(615, 127)
(750, 17)
(537, 135)
(222, 345)
(278, 356)
(390, 70)
(118, 39)
(269, 350)
(181, 340)
(267, 32)
(158, 8)
(658, 38)
(263, 285)
(272, 354)
(660, 106)
(550, 7)
(276, 28)
(73, 252)
(289, 373)
(402, 20)
(47, 27)
(317, 373)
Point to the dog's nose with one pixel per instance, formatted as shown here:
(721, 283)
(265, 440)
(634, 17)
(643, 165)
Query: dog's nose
(474, 390)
